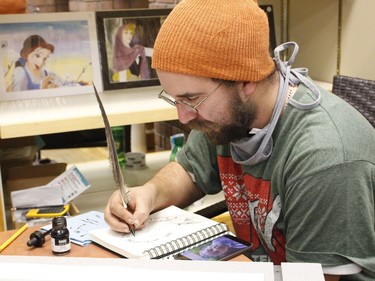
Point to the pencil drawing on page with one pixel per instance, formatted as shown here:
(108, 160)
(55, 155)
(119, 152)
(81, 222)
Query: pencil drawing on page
(159, 228)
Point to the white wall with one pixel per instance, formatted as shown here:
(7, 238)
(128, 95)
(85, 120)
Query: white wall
(313, 24)
(358, 39)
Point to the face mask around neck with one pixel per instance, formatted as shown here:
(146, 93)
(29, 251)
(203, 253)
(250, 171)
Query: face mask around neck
(258, 146)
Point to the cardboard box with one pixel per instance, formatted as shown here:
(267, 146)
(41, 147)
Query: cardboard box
(16, 152)
(22, 177)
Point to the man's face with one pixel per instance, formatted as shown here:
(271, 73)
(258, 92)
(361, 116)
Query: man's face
(38, 58)
(240, 116)
(223, 116)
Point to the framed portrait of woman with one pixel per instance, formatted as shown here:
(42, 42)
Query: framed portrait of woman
(48, 54)
(126, 40)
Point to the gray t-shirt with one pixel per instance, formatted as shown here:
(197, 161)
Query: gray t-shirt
(313, 199)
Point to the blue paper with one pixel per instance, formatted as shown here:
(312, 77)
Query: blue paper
(80, 225)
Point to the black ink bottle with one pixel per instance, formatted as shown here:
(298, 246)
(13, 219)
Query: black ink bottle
(60, 240)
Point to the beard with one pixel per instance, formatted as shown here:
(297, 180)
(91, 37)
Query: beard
(241, 115)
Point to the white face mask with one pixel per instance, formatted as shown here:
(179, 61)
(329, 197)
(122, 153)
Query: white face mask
(258, 147)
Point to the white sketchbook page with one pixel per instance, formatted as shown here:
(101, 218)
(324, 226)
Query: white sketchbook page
(164, 226)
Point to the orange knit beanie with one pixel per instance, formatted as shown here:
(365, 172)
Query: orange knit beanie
(221, 39)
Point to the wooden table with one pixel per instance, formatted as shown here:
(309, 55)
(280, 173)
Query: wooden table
(19, 247)
(19, 254)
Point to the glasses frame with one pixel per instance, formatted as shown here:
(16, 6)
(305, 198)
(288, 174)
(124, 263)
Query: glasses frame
(169, 99)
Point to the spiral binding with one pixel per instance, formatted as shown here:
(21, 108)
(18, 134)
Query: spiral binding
(179, 245)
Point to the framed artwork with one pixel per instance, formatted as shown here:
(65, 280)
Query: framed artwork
(48, 54)
(126, 41)
(268, 9)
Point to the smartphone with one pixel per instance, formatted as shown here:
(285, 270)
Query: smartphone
(47, 212)
(219, 249)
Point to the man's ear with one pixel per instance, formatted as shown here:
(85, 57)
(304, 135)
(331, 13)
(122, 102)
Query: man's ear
(248, 88)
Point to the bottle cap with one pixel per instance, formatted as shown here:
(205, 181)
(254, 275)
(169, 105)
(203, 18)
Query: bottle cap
(177, 139)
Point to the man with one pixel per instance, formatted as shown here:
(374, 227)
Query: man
(296, 163)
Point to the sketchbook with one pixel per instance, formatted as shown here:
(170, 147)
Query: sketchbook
(169, 232)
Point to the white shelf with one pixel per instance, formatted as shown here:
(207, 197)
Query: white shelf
(20, 118)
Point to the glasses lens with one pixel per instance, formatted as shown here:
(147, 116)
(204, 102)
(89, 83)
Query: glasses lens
(187, 106)
(165, 97)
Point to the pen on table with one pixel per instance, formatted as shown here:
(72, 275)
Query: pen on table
(13, 237)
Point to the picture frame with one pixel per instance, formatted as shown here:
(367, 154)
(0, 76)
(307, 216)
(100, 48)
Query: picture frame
(268, 9)
(48, 54)
(126, 40)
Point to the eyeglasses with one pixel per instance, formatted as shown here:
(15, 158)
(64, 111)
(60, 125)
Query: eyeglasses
(193, 108)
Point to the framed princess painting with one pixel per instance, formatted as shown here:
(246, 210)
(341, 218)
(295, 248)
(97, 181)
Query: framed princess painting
(126, 40)
(48, 54)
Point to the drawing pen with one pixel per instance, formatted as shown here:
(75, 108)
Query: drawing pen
(123, 196)
(13, 237)
(115, 164)
(131, 227)
(132, 230)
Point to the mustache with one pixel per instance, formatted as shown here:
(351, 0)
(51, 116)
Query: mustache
(201, 125)
(219, 135)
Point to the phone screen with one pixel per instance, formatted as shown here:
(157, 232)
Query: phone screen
(221, 248)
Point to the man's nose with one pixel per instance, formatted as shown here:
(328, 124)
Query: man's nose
(185, 115)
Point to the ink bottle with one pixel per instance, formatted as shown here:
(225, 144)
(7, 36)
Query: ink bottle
(60, 240)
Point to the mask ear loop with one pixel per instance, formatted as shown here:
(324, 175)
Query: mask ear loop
(298, 75)
(283, 65)
(314, 89)
(283, 87)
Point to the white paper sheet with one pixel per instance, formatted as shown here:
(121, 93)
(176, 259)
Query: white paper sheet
(61, 190)
(95, 272)
(46, 195)
(72, 182)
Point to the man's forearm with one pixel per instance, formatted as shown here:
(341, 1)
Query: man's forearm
(174, 186)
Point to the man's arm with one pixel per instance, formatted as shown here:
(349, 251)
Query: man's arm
(172, 185)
